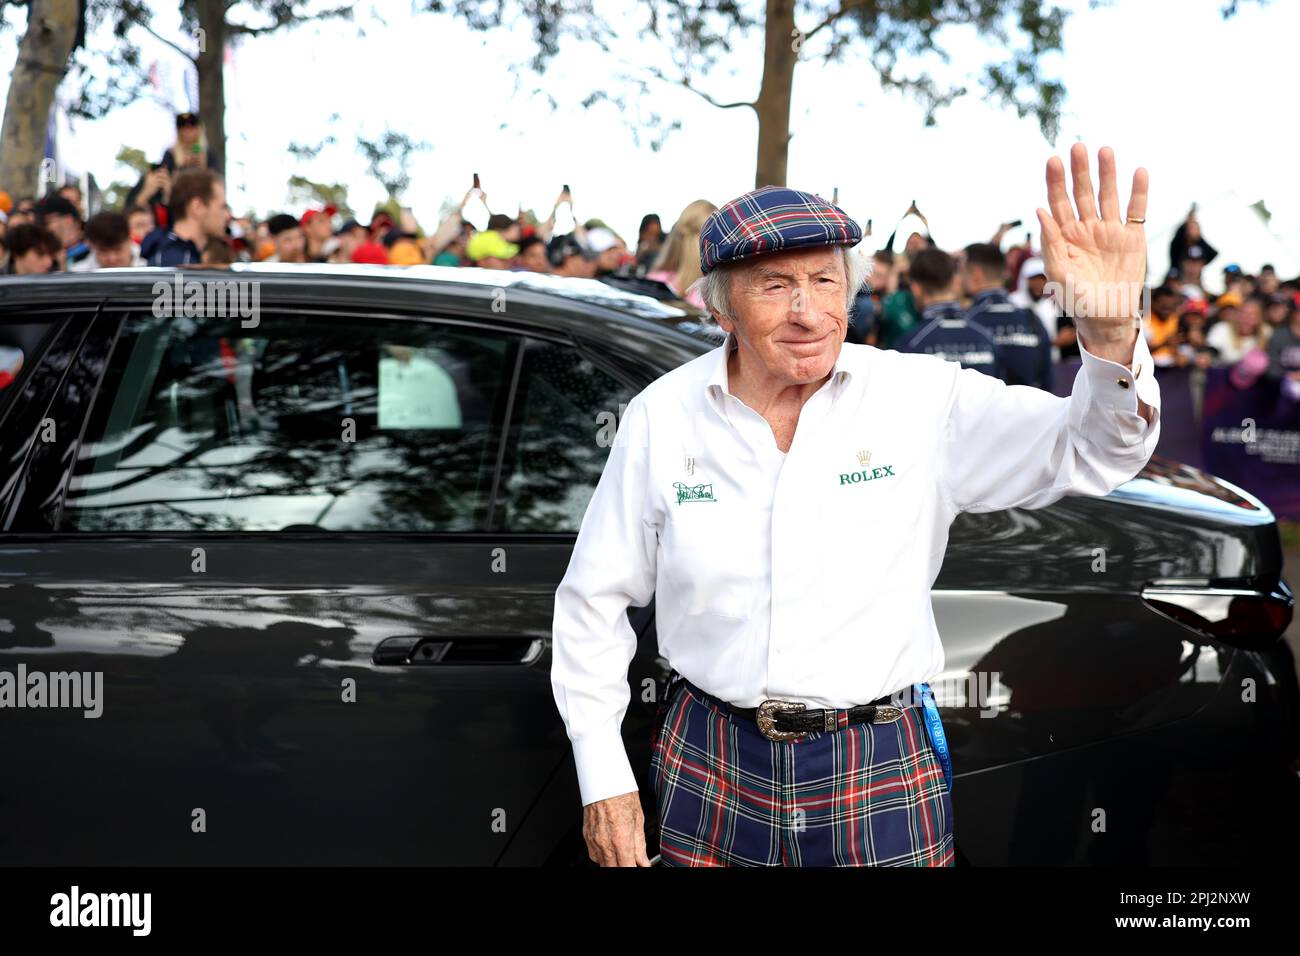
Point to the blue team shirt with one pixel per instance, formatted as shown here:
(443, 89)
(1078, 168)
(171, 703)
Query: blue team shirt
(944, 331)
(164, 248)
(1020, 335)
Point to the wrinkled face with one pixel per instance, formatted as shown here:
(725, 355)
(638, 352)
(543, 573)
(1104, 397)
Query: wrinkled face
(114, 257)
(789, 312)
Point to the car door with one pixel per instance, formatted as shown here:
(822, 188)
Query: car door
(569, 402)
(271, 545)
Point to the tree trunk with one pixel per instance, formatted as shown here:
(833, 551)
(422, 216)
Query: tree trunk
(211, 66)
(42, 63)
(773, 103)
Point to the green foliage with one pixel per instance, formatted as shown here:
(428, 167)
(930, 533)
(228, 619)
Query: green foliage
(388, 160)
(305, 192)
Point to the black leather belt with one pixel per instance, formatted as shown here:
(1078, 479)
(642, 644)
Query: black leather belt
(790, 720)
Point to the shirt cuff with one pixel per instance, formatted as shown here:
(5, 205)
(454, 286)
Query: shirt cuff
(1117, 389)
(603, 768)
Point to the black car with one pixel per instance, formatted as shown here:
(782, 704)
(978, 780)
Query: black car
(306, 526)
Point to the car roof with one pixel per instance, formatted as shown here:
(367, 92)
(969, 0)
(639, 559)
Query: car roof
(590, 291)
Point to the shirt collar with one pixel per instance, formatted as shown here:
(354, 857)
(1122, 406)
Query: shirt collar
(984, 295)
(942, 310)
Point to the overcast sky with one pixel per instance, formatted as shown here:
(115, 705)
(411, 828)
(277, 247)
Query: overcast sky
(1167, 83)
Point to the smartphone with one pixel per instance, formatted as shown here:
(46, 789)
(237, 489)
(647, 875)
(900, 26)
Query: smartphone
(566, 187)
(1013, 224)
(476, 185)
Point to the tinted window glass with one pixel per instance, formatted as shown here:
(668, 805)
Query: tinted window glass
(343, 425)
(564, 424)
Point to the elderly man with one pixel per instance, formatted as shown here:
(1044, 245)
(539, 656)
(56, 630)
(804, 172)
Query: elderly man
(754, 489)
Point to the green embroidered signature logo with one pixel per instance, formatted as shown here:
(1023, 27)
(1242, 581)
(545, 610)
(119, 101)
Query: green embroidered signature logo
(697, 493)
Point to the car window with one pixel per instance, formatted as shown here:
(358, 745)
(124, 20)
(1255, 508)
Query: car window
(566, 414)
(298, 423)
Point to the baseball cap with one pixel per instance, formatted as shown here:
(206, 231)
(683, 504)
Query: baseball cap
(562, 247)
(600, 239)
(772, 219)
(311, 214)
(187, 118)
(487, 243)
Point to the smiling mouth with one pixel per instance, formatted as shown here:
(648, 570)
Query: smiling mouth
(805, 341)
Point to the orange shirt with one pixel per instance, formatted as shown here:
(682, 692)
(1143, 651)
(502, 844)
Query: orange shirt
(1160, 332)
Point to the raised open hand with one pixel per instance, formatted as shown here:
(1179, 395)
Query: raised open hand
(1097, 260)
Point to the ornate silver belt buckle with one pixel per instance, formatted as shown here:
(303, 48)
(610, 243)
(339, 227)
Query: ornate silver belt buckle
(766, 718)
(886, 714)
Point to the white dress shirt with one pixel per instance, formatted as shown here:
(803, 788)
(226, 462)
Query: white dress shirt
(806, 575)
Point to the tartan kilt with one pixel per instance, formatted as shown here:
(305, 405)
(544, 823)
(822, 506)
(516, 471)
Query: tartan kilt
(861, 795)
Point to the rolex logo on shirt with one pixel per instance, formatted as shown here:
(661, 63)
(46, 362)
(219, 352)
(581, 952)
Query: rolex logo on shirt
(857, 477)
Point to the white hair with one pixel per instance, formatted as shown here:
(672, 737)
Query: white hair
(715, 286)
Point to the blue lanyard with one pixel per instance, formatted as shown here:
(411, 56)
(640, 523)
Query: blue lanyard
(935, 726)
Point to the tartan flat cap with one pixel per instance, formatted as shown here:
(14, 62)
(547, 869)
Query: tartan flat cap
(773, 219)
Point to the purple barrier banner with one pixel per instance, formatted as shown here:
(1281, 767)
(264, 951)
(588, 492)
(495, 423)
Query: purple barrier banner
(1180, 436)
(1249, 436)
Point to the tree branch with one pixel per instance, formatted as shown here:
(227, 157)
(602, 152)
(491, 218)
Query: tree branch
(286, 19)
(845, 7)
(685, 83)
(162, 39)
